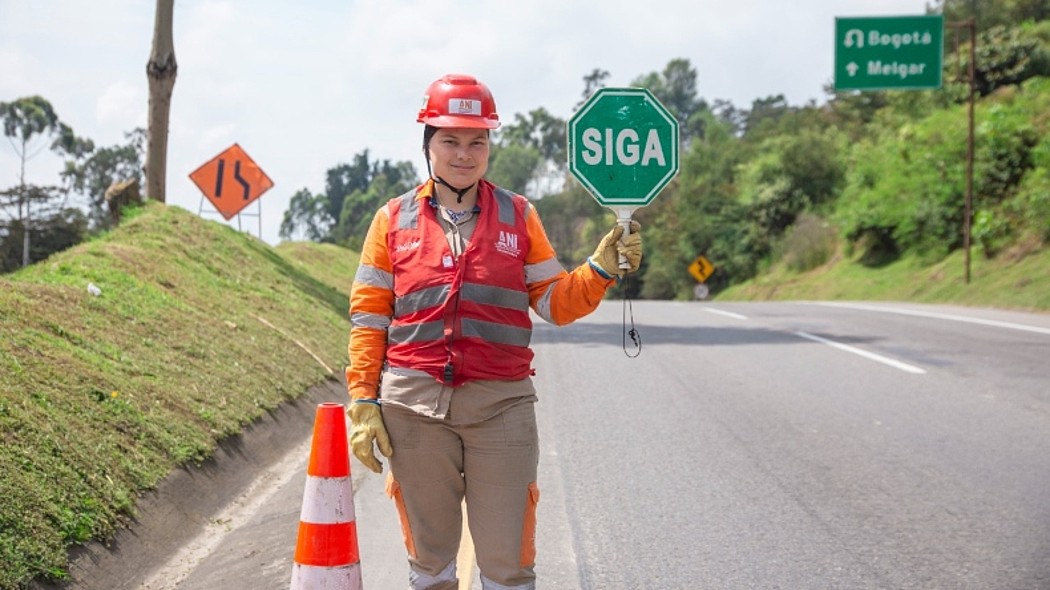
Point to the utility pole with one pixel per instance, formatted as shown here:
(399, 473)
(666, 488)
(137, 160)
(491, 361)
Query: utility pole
(160, 70)
(971, 26)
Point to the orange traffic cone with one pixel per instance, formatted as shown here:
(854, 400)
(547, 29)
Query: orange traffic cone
(326, 555)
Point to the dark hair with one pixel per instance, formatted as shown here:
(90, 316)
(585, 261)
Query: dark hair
(428, 134)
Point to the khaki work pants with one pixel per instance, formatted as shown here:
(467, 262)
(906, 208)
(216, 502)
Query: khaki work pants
(491, 464)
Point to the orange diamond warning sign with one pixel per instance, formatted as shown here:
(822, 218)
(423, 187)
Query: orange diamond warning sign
(231, 181)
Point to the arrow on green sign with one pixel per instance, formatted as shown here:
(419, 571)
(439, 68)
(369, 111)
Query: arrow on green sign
(895, 52)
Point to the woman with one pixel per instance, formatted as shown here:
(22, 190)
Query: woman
(440, 365)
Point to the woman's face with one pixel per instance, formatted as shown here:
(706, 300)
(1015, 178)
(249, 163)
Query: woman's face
(460, 155)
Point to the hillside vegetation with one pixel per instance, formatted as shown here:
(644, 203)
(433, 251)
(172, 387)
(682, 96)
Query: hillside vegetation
(1015, 280)
(197, 330)
(873, 178)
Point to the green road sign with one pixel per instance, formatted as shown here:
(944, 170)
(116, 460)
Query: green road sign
(623, 146)
(890, 52)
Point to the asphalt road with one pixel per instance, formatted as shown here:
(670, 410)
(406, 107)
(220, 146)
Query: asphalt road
(773, 445)
(803, 446)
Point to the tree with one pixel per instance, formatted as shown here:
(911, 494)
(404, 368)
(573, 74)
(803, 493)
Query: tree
(765, 114)
(675, 88)
(55, 226)
(513, 167)
(1004, 58)
(307, 216)
(591, 83)
(102, 169)
(26, 120)
(343, 179)
(540, 130)
(533, 145)
(160, 71)
(385, 182)
(352, 193)
(989, 13)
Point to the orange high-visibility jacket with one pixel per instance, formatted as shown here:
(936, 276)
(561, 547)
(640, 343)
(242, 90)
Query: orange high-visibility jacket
(413, 305)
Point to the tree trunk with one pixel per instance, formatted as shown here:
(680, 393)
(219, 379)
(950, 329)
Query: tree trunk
(24, 198)
(160, 71)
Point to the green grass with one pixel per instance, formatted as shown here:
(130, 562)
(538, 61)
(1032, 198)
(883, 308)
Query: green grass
(198, 331)
(1019, 279)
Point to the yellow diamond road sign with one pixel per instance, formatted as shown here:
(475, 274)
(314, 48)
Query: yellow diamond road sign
(701, 268)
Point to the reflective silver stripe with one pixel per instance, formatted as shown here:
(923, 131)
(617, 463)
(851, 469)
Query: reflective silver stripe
(417, 332)
(419, 581)
(499, 333)
(409, 211)
(362, 319)
(421, 299)
(505, 205)
(372, 276)
(487, 584)
(541, 271)
(405, 372)
(497, 296)
(543, 305)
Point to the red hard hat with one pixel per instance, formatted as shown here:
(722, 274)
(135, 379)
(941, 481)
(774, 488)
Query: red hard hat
(456, 100)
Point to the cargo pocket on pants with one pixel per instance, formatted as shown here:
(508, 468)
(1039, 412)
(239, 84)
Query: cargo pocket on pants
(393, 489)
(528, 528)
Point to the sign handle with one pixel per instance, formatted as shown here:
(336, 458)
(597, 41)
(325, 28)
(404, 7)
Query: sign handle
(623, 217)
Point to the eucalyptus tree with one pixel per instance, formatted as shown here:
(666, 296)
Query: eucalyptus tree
(29, 123)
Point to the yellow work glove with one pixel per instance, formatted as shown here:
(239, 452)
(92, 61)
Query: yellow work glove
(606, 258)
(367, 421)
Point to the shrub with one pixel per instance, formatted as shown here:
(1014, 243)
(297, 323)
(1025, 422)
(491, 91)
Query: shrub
(808, 244)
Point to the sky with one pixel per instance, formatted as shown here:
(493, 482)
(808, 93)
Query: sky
(303, 86)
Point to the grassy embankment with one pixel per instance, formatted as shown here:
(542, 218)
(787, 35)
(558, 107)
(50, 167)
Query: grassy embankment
(198, 331)
(1017, 280)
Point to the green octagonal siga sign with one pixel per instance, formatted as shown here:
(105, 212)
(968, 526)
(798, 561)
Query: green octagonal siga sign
(623, 146)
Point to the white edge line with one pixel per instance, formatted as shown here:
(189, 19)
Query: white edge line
(725, 313)
(937, 315)
(868, 355)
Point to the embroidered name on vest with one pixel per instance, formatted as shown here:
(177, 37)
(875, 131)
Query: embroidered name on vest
(508, 243)
(408, 246)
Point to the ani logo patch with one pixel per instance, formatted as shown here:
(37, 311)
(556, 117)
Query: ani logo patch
(508, 244)
(464, 106)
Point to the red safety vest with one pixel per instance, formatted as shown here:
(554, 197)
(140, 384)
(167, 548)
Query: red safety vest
(467, 318)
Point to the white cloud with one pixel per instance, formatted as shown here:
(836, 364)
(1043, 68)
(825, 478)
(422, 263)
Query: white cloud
(15, 67)
(121, 104)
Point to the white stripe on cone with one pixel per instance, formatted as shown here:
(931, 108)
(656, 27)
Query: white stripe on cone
(308, 577)
(328, 500)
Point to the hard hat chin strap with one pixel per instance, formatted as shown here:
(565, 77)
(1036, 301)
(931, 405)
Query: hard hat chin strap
(459, 191)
